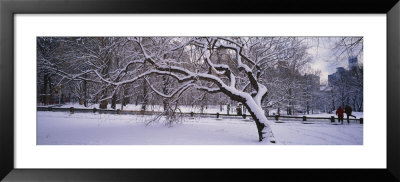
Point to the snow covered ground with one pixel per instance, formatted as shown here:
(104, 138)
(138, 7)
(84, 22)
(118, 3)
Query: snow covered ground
(357, 114)
(63, 128)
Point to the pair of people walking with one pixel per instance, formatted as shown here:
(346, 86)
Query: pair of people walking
(348, 110)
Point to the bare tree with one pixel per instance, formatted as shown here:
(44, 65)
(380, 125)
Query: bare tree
(170, 66)
(348, 46)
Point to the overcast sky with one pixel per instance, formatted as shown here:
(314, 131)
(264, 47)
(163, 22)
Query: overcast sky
(324, 59)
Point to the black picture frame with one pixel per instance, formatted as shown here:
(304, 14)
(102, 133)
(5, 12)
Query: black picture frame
(8, 8)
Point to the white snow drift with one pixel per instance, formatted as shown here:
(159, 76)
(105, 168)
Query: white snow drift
(61, 128)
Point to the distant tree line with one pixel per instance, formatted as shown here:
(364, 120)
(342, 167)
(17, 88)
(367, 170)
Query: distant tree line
(292, 87)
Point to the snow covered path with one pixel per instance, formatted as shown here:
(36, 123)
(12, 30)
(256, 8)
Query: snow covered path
(296, 133)
(63, 128)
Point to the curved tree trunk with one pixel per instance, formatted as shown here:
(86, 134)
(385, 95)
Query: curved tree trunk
(253, 105)
(263, 124)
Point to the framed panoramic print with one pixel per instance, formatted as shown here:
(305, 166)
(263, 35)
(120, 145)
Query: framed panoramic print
(210, 91)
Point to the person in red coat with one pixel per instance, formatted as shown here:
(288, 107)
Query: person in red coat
(339, 113)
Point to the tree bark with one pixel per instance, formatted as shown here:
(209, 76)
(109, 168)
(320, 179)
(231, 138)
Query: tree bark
(263, 128)
(114, 101)
(103, 103)
(85, 103)
(44, 92)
